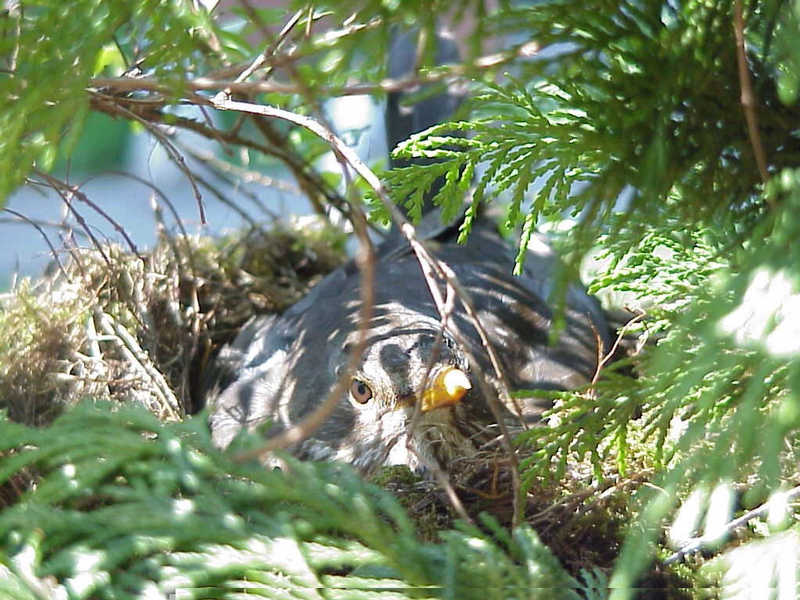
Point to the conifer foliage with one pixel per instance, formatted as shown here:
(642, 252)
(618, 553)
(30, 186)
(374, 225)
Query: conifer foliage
(658, 140)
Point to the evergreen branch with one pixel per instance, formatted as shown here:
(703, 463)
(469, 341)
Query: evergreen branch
(126, 503)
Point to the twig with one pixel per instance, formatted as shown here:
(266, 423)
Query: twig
(262, 58)
(222, 199)
(66, 195)
(249, 88)
(228, 173)
(157, 193)
(308, 179)
(46, 239)
(365, 261)
(748, 97)
(610, 354)
(246, 175)
(172, 153)
(76, 192)
(15, 11)
(445, 308)
(43, 223)
(269, 52)
(294, 53)
(697, 543)
(423, 254)
(131, 349)
(443, 271)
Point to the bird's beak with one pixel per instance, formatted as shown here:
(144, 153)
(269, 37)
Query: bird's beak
(447, 388)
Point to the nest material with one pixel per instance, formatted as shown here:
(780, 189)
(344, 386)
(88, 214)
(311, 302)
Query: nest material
(113, 325)
(581, 525)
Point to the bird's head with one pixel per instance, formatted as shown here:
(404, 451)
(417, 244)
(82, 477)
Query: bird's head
(402, 401)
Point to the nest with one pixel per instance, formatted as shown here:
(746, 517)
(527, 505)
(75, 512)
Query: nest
(113, 325)
(581, 524)
(144, 328)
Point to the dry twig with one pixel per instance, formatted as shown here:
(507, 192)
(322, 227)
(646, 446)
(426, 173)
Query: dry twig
(237, 86)
(698, 543)
(131, 349)
(366, 264)
(748, 98)
(38, 228)
(421, 251)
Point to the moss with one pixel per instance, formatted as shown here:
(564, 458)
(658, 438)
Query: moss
(423, 500)
(116, 326)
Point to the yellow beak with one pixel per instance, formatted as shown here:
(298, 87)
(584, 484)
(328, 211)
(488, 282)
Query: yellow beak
(447, 388)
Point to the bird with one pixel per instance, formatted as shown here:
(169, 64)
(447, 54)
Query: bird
(421, 395)
(413, 398)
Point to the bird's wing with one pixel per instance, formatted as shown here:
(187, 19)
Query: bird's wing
(285, 357)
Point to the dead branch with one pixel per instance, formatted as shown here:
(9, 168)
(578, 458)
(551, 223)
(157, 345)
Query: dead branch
(135, 355)
(38, 228)
(698, 543)
(420, 249)
(116, 85)
(748, 98)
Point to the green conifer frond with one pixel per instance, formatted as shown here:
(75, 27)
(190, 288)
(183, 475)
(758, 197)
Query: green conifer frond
(125, 506)
(628, 119)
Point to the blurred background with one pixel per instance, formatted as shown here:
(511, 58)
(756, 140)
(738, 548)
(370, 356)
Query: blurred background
(113, 165)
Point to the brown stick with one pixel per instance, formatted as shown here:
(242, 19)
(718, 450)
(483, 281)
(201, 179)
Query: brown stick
(237, 86)
(748, 99)
(419, 248)
(366, 263)
(38, 228)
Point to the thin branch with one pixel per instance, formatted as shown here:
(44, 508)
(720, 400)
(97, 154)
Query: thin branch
(250, 88)
(308, 179)
(76, 192)
(223, 199)
(422, 252)
(66, 194)
(604, 360)
(172, 153)
(136, 356)
(698, 543)
(247, 175)
(229, 173)
(748, 99)
(365, 260)
(263, 58)
(296, 53)
(439, 474)
(157, 193)
(38, 228)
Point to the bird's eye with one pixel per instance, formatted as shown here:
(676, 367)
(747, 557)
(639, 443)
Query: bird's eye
(360, 391)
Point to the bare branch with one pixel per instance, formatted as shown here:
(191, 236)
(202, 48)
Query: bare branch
(422, 252)
(698, 543)
(171, 151)
(748, 98)
(366, 264)
(237, 86)
(135, 355)
(38, 228)
(75, 191)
